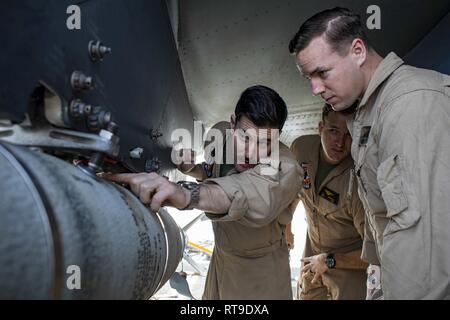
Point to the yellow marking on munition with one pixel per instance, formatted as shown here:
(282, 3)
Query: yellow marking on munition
(199, 247)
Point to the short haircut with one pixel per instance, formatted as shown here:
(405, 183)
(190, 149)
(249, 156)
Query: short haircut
(326, 111)
(340, 27)
(346, 112)
(263, 106)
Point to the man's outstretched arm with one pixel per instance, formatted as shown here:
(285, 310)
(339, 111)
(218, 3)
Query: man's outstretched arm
(157, 191)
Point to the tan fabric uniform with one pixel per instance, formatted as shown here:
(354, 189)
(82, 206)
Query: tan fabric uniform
(403, 169)
(251, 258)
(332, 227)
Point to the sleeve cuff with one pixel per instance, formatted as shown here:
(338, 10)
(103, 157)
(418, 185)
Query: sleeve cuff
(369, 253)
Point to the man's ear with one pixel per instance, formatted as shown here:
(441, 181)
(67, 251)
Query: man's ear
(233, 121)
(358, 51)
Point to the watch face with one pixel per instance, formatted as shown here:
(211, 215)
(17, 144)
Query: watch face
(186, 184)
(189, 184)
(331, 263)
(194, 189)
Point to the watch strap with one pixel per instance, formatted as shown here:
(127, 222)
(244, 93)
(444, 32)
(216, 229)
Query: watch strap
(194, 188)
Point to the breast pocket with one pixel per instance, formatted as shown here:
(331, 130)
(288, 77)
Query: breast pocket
(390, 176)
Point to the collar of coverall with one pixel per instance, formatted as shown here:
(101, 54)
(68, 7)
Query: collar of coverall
(387, 66)
(315, 145)
(338, 169)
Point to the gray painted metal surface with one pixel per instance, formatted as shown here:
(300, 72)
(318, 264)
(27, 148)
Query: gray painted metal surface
(433, 51)
(227, 46)
(53, 216)
(140, 82)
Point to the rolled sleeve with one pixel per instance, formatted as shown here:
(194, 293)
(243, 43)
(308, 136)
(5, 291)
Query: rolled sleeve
(369, 250)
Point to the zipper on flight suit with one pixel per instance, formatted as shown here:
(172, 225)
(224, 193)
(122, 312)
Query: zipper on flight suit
(315, 213)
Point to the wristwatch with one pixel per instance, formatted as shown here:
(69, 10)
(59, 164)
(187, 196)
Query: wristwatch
(194, 188)
(330, 261)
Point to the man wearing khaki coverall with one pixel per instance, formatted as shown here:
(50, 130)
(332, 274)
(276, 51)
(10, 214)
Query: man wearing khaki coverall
(248, 205)
(334, 214)
(250, 260)
(401, 148)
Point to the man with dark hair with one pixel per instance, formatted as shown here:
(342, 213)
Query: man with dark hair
(263, 106)
(333, 268)
(401, 147)
(249, 205)
(339, 26)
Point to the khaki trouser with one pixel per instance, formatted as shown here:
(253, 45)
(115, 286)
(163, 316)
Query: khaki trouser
(308, 291)
(335, 284)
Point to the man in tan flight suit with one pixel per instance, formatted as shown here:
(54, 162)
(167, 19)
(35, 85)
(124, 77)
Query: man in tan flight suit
(401, 147)
(248, 204)
(335, 215)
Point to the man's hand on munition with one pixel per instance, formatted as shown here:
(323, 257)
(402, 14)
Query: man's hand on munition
(153, 189)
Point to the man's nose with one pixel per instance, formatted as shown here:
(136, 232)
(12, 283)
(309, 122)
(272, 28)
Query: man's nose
(341, 140)
(317, 87)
